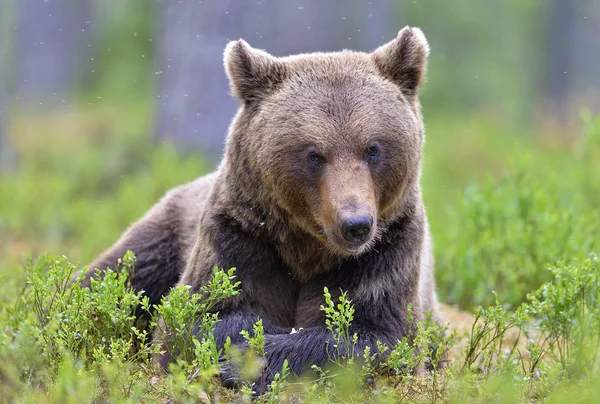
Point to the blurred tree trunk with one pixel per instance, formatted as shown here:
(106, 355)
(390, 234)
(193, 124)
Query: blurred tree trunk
(304, 26)
(560, 37)
(572, 69)
(194, 103)
(52, 40)
(586, 54)
(7, 153)
(380, 22)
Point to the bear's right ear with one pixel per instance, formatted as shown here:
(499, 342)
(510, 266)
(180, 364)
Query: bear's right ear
(403, 60)
(252, 73)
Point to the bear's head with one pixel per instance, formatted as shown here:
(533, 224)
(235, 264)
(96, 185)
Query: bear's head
(333, 140)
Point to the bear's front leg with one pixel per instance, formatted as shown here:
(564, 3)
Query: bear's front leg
(308, 347)
(377, 319)
(230, 325)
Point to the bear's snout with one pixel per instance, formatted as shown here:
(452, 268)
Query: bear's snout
(356, 229)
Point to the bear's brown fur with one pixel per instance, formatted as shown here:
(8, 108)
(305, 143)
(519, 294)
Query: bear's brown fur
(319, 186)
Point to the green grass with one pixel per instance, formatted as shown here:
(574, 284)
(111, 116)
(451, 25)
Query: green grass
(501, 231)
(515, 223)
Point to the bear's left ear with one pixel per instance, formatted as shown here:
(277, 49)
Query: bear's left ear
(252, 73)
(403, 60)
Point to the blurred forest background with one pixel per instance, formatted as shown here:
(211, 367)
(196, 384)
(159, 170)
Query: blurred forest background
(106, 104)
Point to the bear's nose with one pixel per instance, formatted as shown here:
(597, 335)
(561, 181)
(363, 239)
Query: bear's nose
(356, 229)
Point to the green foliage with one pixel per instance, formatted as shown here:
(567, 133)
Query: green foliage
(252, 363)
(504, 233)
(477, 75)
(74, 195)
(484, 350)
(95, 325)
(338, 319)
(568, 313)
(125, 46)
(562, 343)
(61, 339)
(256, 342)
(54, 332)
(179, 313)
(187, 320)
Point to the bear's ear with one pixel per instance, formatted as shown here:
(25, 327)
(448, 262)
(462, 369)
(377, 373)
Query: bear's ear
(252, 73)
(403, 60)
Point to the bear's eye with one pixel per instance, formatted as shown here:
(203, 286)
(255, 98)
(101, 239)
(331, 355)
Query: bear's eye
(314, 158)
(372, 153)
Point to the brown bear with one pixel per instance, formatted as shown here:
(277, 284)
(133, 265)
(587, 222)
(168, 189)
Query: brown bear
(318, 187)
